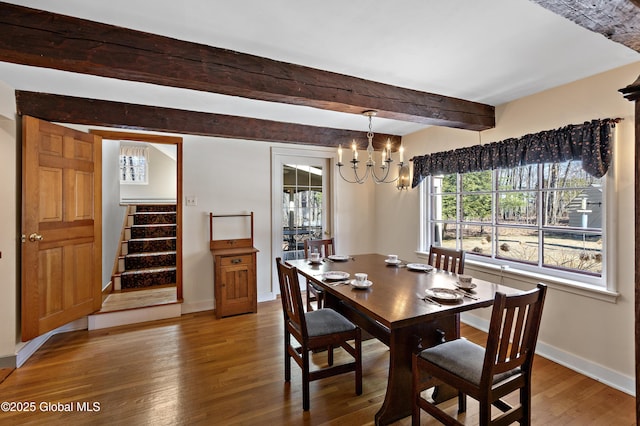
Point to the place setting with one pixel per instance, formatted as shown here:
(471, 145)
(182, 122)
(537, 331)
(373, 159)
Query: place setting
(465, 285)
(392, 260)
(335, 278)
(419, 267)
(361, 281)
(337, 258)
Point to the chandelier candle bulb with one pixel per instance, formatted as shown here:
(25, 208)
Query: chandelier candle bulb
(401, 154)
(388, 149)
(340, 153)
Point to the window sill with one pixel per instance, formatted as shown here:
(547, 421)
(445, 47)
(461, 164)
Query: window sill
(556, 283)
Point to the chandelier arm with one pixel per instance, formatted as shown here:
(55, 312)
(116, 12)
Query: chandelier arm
(355, 172)
(387, 168)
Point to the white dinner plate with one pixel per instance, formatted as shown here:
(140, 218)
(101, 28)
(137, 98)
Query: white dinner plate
(443, 295)
(338, 257)
(315, 261)
(336, 275)
(420, 267)
(358, 284)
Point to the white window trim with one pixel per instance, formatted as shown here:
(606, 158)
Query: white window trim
(562, 281)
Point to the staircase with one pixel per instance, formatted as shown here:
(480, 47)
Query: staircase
(148, 251)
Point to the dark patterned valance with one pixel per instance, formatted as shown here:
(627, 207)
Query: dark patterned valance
(589, 142)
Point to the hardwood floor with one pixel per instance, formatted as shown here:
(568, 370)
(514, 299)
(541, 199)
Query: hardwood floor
(139, 298)
(198, 370)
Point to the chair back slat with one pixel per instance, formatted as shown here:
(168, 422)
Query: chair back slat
(518, 333)
(324, 247)
(513, 332)
(505, 338)
(447, 259)
(291, 297)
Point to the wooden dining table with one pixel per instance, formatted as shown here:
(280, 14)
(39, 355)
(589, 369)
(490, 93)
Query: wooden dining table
(393, 311)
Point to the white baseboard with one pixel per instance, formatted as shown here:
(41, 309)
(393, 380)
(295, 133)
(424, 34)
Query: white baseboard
(26, 349)
(134, 316)
(578, 364)
(209, 305)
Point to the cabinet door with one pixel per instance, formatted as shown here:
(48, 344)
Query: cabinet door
(237, 287)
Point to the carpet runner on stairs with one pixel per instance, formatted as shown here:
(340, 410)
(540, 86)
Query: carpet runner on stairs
(149, 250)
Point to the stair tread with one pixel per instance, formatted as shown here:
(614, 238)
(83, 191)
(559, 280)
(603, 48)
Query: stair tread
(152, 239)
(150, 253)
(148, 270)
(150, 225)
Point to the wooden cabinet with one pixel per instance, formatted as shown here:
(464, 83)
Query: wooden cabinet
(234, 272)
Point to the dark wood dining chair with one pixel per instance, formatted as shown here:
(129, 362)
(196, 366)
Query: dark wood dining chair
(446, 259)
(486, 374)
(325, 248)
(450, 260)
(319, 329)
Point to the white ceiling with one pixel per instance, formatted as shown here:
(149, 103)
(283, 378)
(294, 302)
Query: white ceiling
(489, 51)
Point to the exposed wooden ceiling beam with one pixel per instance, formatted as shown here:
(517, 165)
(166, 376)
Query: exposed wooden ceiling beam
(38, 38)
(94, 112)
(618, 20)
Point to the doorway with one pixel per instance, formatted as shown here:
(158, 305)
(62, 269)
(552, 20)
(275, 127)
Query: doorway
(301, 200)
(129, 200)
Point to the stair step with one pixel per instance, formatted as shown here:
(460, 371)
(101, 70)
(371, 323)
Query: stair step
(146, 218)
(148, 277)
(153, 231)
(151, 245)
(155, 208)
(149, 260)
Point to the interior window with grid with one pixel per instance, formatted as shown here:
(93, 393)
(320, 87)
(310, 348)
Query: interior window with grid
(546, 217)
(134, 163)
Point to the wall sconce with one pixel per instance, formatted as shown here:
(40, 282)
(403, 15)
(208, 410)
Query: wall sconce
(403, 178)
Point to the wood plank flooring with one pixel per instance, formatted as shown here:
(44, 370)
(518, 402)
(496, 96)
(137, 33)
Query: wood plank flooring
(196, 370)
(139, 298)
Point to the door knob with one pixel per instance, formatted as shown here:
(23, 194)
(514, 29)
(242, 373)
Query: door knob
(35, 237)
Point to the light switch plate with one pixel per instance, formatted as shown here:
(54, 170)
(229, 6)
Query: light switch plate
(191, 200)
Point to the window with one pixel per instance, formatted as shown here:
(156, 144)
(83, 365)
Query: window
(134, 163)
(545, 218)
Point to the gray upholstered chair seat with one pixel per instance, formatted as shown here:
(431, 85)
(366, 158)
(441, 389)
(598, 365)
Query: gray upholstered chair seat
(462, 358)
(326, 321)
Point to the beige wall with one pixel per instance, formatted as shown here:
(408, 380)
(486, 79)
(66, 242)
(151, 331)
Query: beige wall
(8, 232)
(592, 335)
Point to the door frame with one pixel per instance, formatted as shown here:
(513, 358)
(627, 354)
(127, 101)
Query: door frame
(280, 155)
(169, 140)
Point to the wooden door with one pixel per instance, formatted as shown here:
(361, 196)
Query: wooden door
(61, 226)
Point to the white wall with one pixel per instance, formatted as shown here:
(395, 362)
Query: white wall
(234, 176)
(9, 230)
(113, 214)
(595, 336)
